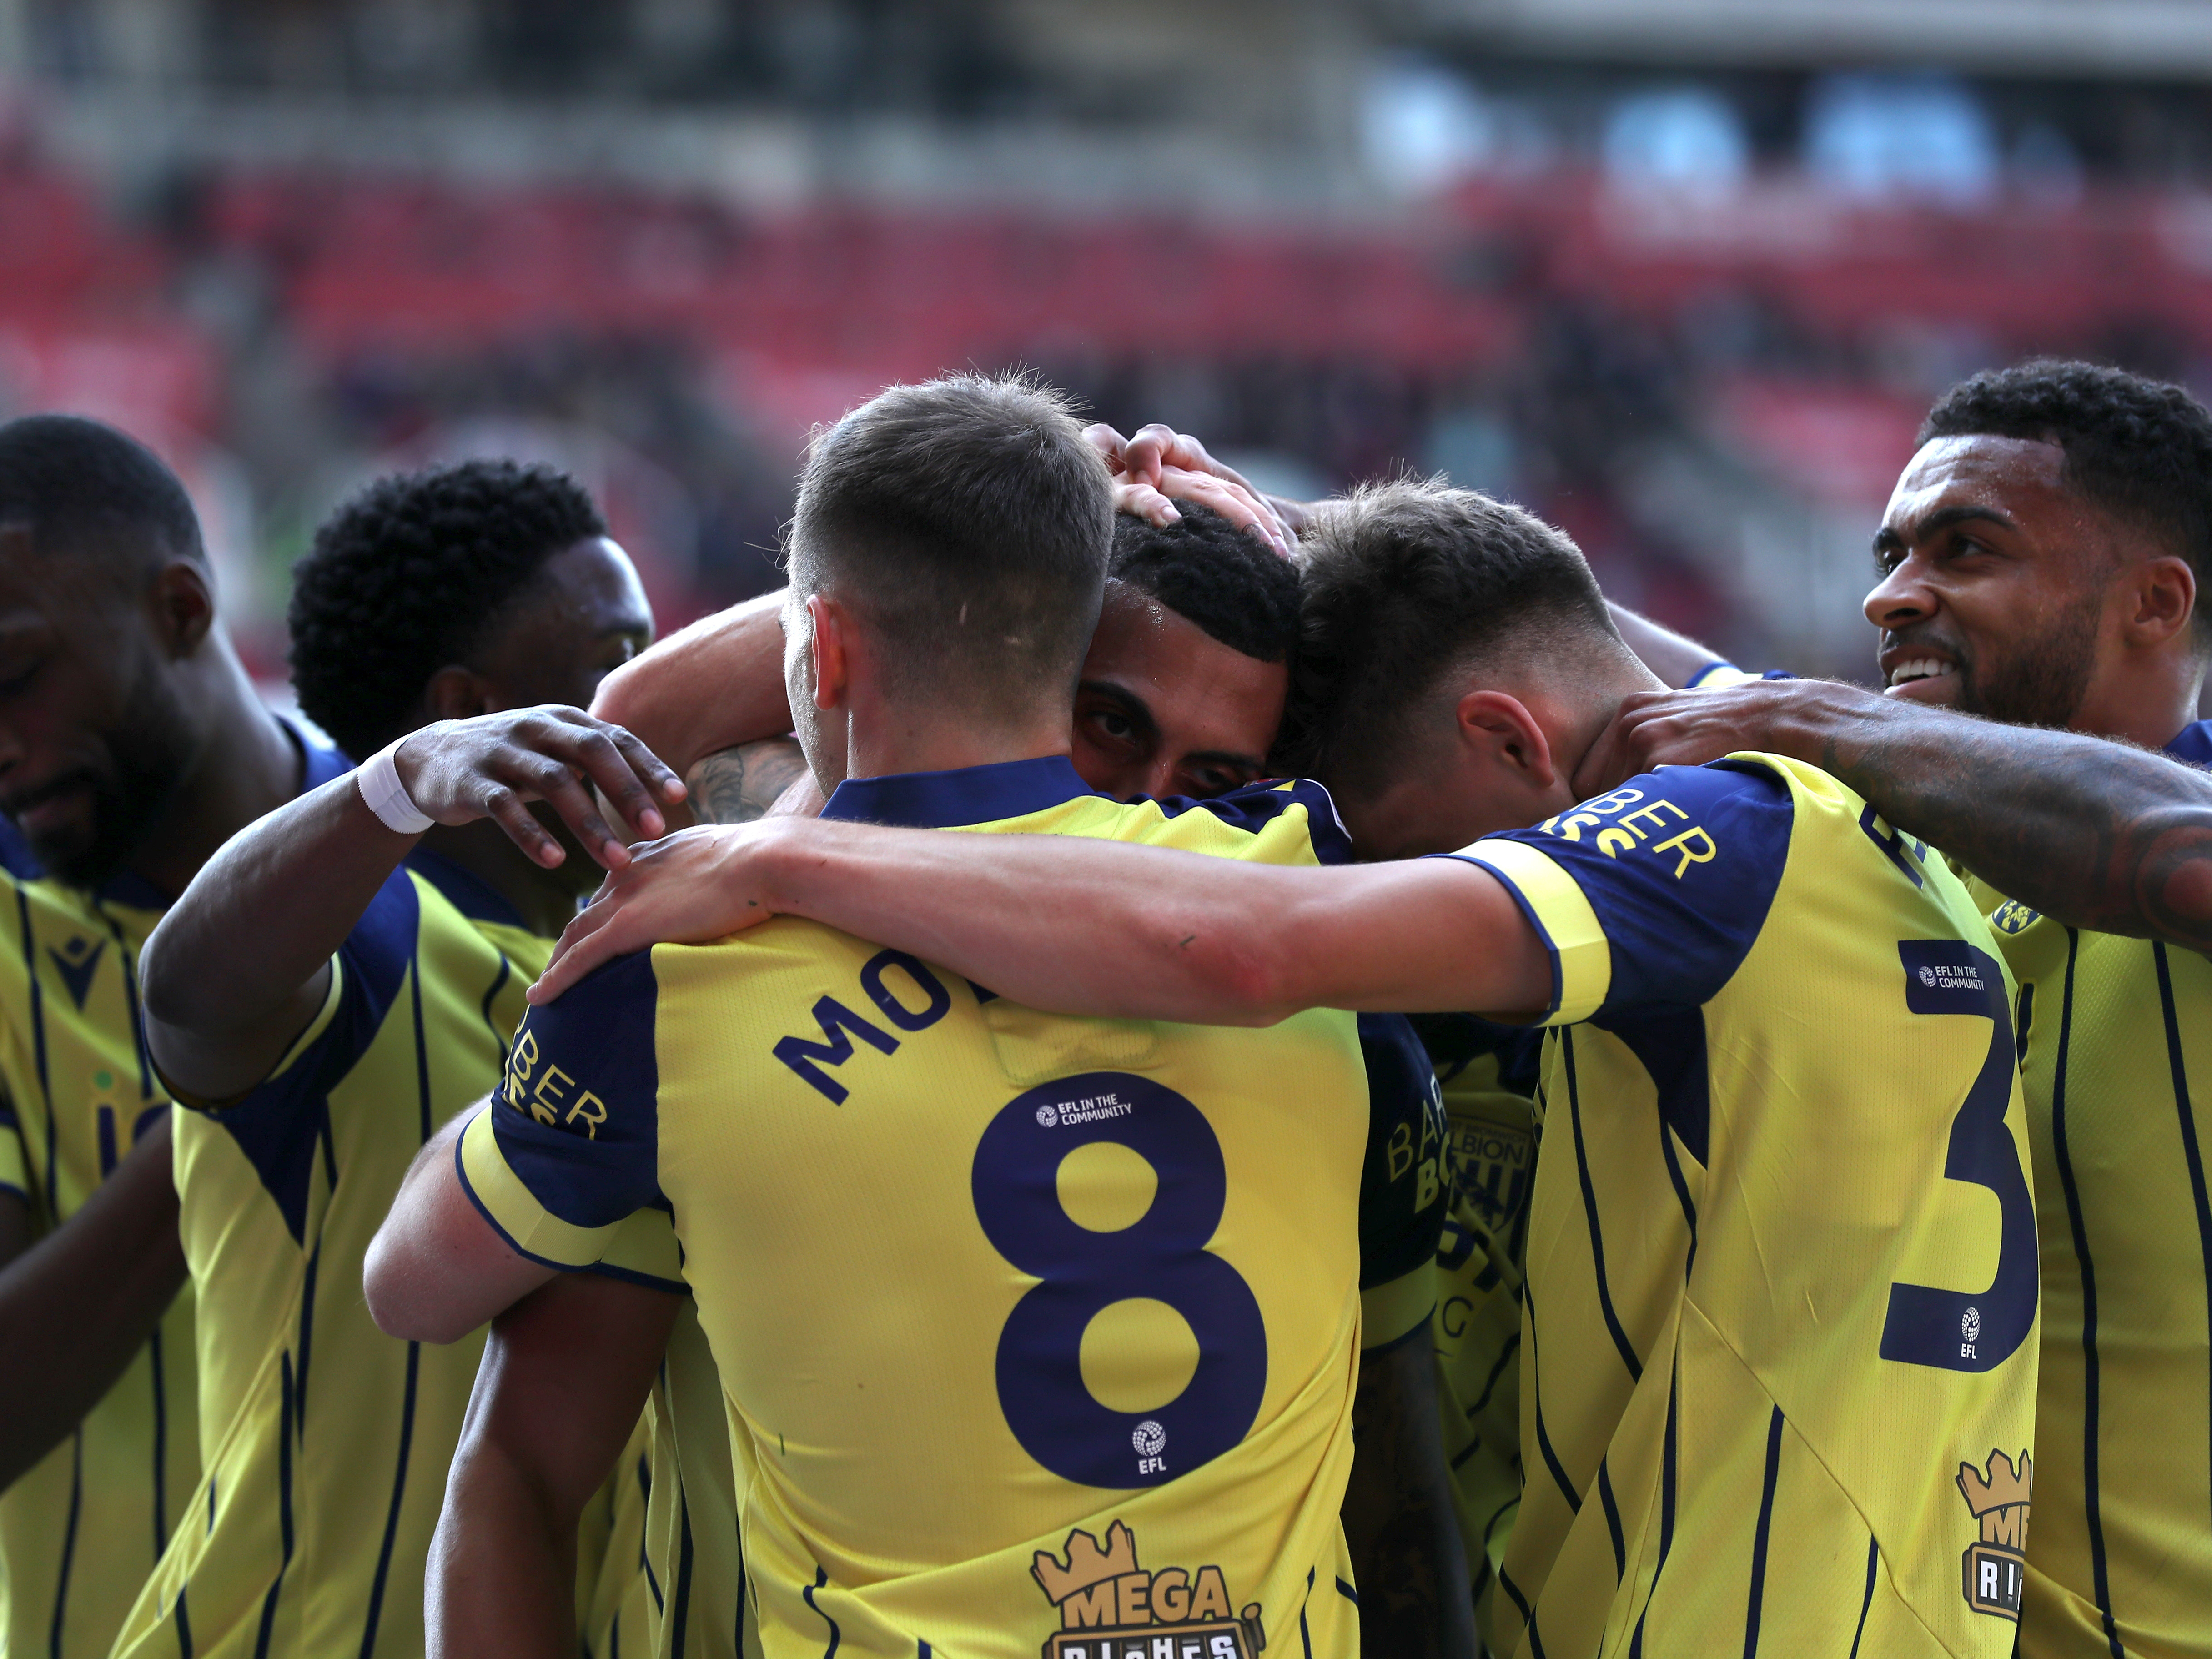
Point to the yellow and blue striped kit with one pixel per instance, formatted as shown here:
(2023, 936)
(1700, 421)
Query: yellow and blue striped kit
(1779, 1348)
(1038, 1334)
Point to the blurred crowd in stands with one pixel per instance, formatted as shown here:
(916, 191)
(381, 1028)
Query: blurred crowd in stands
(1708, 371)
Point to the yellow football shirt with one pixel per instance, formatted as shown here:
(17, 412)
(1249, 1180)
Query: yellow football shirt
(2115, 1043)
(1037, 1334)
(328, 1441)
(81, 1529)
(1779, 1342)
(671, 1582)
(1488, 1076)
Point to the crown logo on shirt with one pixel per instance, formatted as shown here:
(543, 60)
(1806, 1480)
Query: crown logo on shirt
(1087, 1563)
(1996, 1566)
(1111, 1609)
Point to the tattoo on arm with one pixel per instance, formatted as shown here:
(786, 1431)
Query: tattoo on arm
(737, 785)
(2097, 833)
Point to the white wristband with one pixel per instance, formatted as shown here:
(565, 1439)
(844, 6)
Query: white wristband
(379, 780)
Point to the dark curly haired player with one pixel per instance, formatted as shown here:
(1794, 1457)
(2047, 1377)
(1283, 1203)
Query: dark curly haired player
(421, 571)
(333, 984)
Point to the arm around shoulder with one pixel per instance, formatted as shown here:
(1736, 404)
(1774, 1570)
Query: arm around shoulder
(437, 1268)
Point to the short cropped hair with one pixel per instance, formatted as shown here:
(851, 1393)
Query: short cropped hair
(411, 576)
(968, 523)
(1209, 572)
(2138, 450)
(1405, 582)
(81, 485)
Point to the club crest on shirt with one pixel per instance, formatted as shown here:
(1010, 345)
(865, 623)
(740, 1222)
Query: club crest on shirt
(1996, 1565)
(2014, 917)
(1489, 1166)
(1111, 1609)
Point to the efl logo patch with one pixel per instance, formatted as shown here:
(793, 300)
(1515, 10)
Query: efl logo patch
(2014, 917)
(1109, 1608)
(1996, 1567)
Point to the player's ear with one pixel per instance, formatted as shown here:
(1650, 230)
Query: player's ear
(2164, 594)
(829, 627)
(455, 693)
(1503, 728)
(184, 606)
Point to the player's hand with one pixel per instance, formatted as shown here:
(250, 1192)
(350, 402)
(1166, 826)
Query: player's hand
(1688, 728)
(1160, 466)
(685, 889)
(494, 765)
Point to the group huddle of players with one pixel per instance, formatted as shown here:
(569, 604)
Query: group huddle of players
(1115, 1228)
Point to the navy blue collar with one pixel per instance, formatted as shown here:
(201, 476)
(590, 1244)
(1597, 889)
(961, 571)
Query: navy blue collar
(947, 800)
(2194, 744)
(466, 891)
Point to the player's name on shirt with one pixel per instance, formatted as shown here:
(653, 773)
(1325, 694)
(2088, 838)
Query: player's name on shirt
(1783, 1043)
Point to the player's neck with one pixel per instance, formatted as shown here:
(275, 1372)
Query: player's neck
(883, 739)
(1600, 688)
(248, 767)
(2146, 703)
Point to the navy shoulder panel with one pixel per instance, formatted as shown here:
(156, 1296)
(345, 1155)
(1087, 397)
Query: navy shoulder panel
(576, 1114)
(1681, 867)
(2193, 745)
(279, 1122)
(1401, 1189)
(1258, 804)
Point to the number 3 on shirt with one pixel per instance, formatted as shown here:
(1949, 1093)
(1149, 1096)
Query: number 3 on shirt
(1162, 1256)
(1958, 1330)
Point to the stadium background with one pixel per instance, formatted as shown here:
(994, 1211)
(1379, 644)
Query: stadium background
(1679, 275)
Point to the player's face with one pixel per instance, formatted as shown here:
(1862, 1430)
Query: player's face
(94, 738)
(1163, 708)
(587, 618)
(1994, 583)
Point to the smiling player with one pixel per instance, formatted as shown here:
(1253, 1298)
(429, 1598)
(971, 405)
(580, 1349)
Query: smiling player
(2042, 563)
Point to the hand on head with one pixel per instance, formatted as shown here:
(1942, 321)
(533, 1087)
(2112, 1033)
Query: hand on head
(493, 766)
(1160, 467)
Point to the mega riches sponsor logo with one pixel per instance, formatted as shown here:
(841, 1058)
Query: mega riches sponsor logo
(1996, 1565)
(1111, 1609)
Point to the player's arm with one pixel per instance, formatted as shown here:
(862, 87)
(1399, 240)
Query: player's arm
(748, 781)
(77, 1305)
(707, 688)
(241, 964)
(1077, 926)
(437, 1268)
(2099, 834)
(1415, 1597)
(565, 1372)
(539, 1178)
